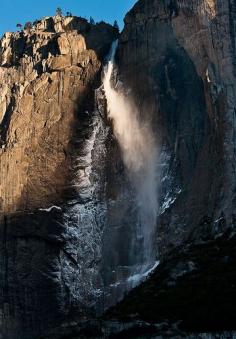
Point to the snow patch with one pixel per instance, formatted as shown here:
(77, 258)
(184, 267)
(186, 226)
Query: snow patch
(169, 201)
(50, 208)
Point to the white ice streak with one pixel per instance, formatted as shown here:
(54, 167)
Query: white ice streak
(135, 279)
(49, 209)
(169, 201)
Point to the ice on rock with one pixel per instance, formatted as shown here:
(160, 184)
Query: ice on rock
(49, 209)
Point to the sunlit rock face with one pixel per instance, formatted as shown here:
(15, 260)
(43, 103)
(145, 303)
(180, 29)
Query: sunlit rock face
(47, 82)
(52, 159)
(177, 57)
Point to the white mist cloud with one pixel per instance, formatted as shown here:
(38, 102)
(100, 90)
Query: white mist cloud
(139, 150)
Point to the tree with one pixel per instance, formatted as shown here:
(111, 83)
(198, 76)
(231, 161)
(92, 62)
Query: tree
(19, 26)
(115, 25)
(28, 26)
(91, 21)
(68, 14)
(59, 11)
(36, 22)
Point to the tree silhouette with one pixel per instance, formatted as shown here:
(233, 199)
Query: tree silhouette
(28, 26)
(59, 11)
(19, 26)
(91, 21)
(115, 25)
(36, 22)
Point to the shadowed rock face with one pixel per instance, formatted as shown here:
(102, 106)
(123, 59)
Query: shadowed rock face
(190, 295)
(178, 59)
(193, 289)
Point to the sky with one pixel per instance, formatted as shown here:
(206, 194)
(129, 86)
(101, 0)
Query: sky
(21, 11)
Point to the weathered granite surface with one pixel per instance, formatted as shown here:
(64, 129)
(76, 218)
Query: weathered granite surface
(48, 76)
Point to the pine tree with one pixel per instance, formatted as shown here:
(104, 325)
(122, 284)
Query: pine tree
(91, 20)
(19, 26)
(115, 25)
(36, 22)
(59, 11)
(28, 26)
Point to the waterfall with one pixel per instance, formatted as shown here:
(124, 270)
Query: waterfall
(139, 151)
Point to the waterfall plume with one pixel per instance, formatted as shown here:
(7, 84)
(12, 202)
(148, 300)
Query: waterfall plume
(139, 151)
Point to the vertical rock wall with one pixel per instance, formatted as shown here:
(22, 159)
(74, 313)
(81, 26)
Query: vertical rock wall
(50, 165)
(178, 57)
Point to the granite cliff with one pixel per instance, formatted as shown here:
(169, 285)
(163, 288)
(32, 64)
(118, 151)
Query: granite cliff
(178, 57)
(50, 123)
(67, 209)
(48, 77)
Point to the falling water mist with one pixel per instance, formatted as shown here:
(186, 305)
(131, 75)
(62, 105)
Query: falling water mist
(139, 152)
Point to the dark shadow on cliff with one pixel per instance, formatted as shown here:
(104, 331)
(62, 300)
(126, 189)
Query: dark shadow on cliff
(193, 291)
(170, 93)
(195, 288)
(99, 33)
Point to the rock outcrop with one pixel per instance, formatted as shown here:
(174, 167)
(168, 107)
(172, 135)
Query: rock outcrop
(178, 57)
(48, 76)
